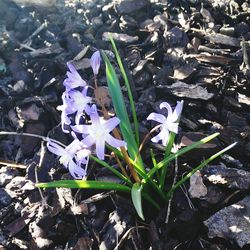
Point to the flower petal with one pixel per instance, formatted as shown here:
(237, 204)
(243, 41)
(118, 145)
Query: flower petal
(177, 111)
(95, 61)
(94, 115)
(157, 117)
(84, 129)
(76, 171)
(111, 123)
(167, 106)
(100, 148)
(88, 141)
(55, 148)
(115, 142)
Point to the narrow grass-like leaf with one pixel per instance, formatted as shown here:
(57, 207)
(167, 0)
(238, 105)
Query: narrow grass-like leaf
(121, 112)
(113, 170)
(204, 163)
(85, 184)
(180, 152)
(130, 96)
(136, 199)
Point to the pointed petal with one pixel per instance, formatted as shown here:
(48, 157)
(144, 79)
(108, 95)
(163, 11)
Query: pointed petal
(165, 138)
(84, 129)
(156, 117)
(111, 123)
(177, 111)
(167, 106)
(55, 148)
(71, 67)
(88, 141)
(158, 137)
(94, 115)
(100, 148)
(114, 142)
(76, 171)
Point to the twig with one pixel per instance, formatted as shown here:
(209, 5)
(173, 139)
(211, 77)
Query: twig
(42, 154)
(12, 164)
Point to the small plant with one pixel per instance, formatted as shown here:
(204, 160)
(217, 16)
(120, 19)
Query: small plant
(86, 117)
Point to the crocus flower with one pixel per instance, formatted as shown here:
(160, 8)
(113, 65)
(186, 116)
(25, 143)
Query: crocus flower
(99, 132)
(73, 79)
(169, 123)
(72, 157)
(95, 61)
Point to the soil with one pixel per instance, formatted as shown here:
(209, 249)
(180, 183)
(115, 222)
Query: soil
(196, 51)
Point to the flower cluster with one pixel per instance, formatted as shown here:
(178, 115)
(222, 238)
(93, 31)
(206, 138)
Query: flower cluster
(95, 131)
(76, 103)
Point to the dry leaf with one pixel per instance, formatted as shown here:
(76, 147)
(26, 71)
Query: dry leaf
(197, 188)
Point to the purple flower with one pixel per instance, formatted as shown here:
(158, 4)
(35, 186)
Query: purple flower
(74, 101)
(73, 79)
(169, 123)
(80, 102)
(99, 132)
(72, 157)
(67, 108)
(95, 61)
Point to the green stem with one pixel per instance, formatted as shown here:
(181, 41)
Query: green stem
(167, 153)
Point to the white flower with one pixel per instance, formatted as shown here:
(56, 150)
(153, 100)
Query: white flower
(168, 124)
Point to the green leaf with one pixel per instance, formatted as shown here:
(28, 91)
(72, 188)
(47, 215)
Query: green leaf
(204, 163)
(121, 112)
(84, 184)
(130, 96)
(180, 152)
(136, 198)
(113, 170)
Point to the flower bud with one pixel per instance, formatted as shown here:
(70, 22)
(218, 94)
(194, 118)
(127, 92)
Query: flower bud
(95, 61)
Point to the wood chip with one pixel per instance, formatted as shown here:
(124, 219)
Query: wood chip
(182, 89)
(223, 39)
(120, 37)
(232, 222)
